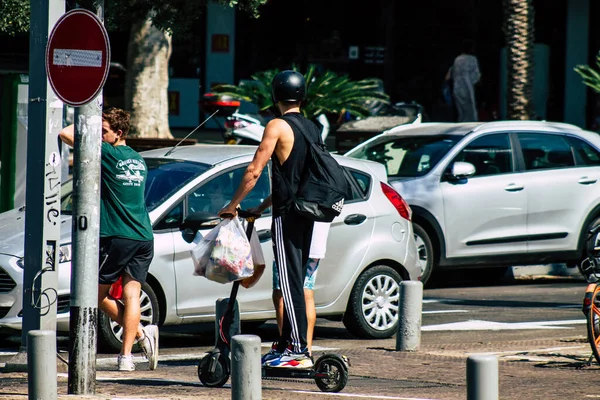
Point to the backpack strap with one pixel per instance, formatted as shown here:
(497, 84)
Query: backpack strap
(290, 119)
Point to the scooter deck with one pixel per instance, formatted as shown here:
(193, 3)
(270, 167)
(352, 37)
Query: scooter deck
(282, 372)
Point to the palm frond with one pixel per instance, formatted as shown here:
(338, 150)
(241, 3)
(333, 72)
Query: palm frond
(326, 93)
(589, 75)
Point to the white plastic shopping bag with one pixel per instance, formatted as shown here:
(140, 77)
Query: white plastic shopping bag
(231, 257)
(258, 259)
(201, 252)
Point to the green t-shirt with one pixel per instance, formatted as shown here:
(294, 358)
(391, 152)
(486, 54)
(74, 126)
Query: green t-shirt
(123, 210)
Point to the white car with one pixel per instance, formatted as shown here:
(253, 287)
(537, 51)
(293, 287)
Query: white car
(493, 194)
(370, 248)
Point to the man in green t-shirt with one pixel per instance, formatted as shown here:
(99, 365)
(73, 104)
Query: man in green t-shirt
(126, 239)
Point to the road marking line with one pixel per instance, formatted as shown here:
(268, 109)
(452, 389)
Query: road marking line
(479, 325)
(445, 311)
(430, 301)
(105, 361)
(523, 352)
(367, 396)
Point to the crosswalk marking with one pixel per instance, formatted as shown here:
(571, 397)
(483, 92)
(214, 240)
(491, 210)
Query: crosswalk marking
(479, 325)
(358, 395)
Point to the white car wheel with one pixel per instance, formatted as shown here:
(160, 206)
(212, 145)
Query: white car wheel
(424, 252)
(374, 302)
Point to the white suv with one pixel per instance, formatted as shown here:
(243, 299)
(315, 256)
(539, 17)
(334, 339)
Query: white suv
(493, 194)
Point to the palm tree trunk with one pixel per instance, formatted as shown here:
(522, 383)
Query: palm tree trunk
(147, 80)
(519, 32)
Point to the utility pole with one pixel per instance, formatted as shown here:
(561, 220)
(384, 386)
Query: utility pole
(85, 235)
(42, 222)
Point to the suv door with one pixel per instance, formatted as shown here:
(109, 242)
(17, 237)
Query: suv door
(560, 188)
(485, 214)
(197, 295)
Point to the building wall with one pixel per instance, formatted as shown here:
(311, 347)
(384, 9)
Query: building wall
(419, 40)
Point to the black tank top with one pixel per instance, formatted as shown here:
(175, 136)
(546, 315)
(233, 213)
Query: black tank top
(287, 177)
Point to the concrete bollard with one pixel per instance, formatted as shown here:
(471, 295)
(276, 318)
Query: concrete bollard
(245, 368)
(41, 364)
(408, 337)
(482, 377)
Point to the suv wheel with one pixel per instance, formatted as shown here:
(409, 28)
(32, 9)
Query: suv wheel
(372, 310)
(582, 265)
(111, 334)
(425, 253)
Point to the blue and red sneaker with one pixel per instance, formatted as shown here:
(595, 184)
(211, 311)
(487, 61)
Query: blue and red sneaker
(271, 355)
(289, 359)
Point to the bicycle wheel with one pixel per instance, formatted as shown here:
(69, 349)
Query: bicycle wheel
(593, 323)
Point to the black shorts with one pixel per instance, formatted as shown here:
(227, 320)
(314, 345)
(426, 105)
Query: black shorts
(118, 255)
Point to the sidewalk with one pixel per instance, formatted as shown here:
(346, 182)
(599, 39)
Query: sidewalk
(530, 369)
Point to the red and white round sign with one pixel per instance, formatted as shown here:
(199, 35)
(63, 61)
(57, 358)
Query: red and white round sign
(77, 57)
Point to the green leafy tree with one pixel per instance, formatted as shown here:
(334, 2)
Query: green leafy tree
(152, 24)
(590, 76)
(14, 16)
(326, 93)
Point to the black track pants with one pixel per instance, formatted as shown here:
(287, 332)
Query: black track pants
(291, 245)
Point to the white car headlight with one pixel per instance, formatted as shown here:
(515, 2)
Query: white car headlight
(64, 253)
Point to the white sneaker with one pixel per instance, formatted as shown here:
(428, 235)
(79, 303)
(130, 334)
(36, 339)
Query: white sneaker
(149, 345)
(125, 363)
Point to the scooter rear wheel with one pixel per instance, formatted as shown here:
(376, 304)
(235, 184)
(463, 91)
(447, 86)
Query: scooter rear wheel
(336, 371)
(593, 323)
(221, 370)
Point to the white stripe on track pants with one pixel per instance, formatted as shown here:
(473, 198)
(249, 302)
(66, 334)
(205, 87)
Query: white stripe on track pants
(291, 245)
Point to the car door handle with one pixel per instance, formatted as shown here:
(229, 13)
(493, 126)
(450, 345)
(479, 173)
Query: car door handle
(513, 187)
(586, 180)
(355, 219)
(264, 235)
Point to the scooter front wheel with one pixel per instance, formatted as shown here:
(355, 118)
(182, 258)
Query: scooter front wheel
(213, 370)
(331, 373)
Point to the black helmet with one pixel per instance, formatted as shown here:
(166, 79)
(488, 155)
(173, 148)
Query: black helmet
(288, 86)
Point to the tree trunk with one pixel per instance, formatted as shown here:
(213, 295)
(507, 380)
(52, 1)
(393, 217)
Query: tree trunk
(147, 80)
(519, 31)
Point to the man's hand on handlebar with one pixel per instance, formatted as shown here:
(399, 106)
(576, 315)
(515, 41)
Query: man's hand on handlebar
(229, 211)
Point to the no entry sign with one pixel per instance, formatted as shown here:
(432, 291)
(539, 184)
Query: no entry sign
(77, 57)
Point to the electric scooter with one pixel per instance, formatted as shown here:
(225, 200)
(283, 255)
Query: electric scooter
(330, 371)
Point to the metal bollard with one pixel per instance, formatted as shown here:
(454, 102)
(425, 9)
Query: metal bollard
(408, 337)
(482, 377)
(245, 368)
(41, 364)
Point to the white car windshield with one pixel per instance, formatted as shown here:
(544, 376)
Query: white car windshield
(407, 156)
(165, 177)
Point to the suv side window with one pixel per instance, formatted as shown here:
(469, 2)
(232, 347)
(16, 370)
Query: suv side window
(585, 153)
(490, 154)
(212, 195)
(545, 151)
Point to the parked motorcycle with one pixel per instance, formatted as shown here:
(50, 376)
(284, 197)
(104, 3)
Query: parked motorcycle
(243, 128)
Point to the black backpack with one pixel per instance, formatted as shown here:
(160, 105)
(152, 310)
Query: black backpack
(324, 186)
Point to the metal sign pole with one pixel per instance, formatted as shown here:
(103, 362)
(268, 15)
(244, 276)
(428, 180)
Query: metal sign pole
(85, 233)
(86, 228)
(42, 221)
